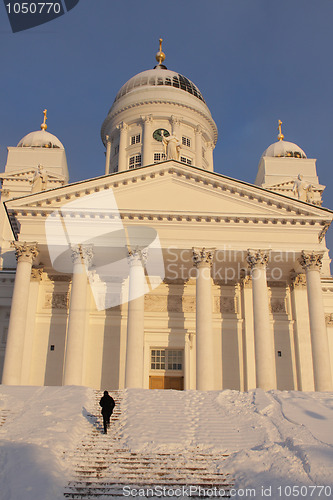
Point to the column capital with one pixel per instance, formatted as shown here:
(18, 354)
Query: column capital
(198, 130)
(311, 260)
(36, 273)
(147, 119)
(203, 256)
(297, 280)
(175, 120)
(25, 252)
(246, 281)
(122, 126)
(83, 254)
(257, 258)
(138, 256)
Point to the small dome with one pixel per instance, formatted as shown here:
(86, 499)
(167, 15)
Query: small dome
(40, 139)
(160, 75)
(284, 149)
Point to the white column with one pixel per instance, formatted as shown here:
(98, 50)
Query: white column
(122, 165)
(202, 259)
(147, 140)
(135, 319)
(35, 279)
(25, 253)
(312, 262)
(198, 146)
(263, 334)
(108, 155)
(73, 366)
(210, 148)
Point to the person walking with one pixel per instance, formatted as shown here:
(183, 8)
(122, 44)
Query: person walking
(107, 403)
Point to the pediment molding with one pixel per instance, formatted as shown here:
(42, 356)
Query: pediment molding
(274, 208)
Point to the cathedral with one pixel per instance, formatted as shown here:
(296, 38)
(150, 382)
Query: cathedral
(162, 273)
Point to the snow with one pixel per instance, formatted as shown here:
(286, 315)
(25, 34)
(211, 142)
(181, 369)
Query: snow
(274, 441)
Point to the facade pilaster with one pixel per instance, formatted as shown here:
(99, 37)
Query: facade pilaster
(135, 319)
(311, 263)
(263, 332)
(303, 351)
(175, 126)
(198, 146)
(248, 333)
(147, 135)
(12, 371)
(202, 259)
(108, 155)
(210, 159)
(75, 340)
(122, 165)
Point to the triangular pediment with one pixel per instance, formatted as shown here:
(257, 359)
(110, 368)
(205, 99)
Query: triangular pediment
(174, 188)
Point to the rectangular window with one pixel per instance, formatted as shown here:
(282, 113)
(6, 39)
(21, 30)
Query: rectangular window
(158, 359)
(175, 360)
(186, 141)
(203, 152)
(135, 139)
(166, 359)
(159, 157)
(135, 161)
(188, 161)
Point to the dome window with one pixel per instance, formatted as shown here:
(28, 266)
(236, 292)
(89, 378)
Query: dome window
(135, 139)
(159, 157)
(156, 78)
(186, 160)
(135, 161)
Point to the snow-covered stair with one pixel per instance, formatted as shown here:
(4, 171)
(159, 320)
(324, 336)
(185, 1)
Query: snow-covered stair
(104, 468)
(3, 416)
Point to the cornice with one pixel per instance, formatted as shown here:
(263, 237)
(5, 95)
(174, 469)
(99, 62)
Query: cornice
(198, 217)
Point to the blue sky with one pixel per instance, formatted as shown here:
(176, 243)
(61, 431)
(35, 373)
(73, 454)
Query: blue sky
(254, 61)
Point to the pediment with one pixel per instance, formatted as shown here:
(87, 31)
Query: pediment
(27, 174)
(173, 188)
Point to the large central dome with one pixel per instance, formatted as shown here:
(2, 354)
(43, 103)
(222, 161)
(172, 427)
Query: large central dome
(155, 103)
(159, 76)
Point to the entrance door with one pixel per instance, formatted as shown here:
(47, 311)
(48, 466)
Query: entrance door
(161, 382)
(166, 369)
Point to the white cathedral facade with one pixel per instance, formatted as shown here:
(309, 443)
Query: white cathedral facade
(162, 273)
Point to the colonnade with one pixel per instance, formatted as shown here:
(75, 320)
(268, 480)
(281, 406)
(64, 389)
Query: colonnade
(202, 258)
(147, 152)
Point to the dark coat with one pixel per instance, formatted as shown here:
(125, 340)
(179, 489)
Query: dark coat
(107, 403)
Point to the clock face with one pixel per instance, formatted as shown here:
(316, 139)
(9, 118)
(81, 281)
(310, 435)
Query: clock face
(158, 134)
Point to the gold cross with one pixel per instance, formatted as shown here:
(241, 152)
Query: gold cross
(43, 125)
(280, 136)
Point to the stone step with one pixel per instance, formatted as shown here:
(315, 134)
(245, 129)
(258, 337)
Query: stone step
(114, 488)
(102, 467)
(3, 416)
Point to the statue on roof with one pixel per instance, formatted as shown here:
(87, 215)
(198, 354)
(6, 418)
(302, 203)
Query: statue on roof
(171, 146)
(39, 180)
(303, 189)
